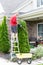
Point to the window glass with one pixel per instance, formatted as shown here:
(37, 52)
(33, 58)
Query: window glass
(41, 2)
(40, 30)
(38, 3)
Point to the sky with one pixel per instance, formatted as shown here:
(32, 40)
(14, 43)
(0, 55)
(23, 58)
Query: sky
(10, 5)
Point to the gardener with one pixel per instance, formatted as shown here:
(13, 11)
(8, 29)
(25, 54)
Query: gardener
(13, 23)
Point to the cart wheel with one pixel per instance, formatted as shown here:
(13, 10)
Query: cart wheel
(19, 61)
(29, 61)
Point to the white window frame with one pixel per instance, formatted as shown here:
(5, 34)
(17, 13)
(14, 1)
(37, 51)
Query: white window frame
(37, 29)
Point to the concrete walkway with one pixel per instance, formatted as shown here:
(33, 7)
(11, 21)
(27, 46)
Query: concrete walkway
(4, 61)
(7, 62)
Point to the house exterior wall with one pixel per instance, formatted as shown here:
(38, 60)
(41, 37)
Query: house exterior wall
(31, 5)
(32, 28)
(33, 12)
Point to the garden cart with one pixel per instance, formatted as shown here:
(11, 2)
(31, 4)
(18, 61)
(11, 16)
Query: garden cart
(24, 56)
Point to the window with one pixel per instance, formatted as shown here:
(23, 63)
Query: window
(39, 3)
(40, 30)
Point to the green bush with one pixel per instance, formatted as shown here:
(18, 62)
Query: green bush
(23, 37)
(4, 39)
(38, 52)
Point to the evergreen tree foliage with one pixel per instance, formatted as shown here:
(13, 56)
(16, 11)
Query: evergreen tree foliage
(5, 43)
(0, 37)
(23, 37)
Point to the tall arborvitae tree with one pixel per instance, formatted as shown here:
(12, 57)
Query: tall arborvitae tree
(23, 37)
(0, 38)
(4, 36)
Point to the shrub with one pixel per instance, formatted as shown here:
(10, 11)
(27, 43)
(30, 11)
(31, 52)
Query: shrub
(4, 40)
(23, 37)
(38, 52)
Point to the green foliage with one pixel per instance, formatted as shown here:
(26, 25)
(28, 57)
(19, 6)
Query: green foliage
(0, 37)
(38, 52)
(4, 40)
(40, 64)
(23, 37)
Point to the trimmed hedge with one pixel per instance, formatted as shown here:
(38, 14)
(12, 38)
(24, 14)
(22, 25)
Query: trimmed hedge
(0, 37)
(4, 39)
(23, 37)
